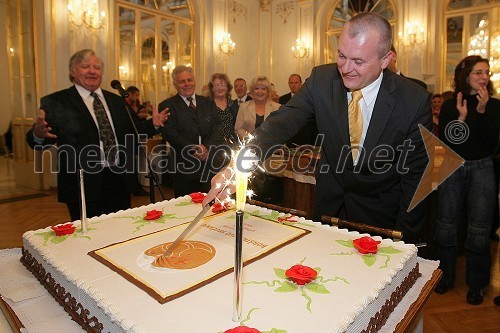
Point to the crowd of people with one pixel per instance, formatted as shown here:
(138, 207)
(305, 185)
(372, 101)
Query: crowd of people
(368, 114)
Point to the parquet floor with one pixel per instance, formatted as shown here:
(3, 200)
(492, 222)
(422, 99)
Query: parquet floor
(442, 313)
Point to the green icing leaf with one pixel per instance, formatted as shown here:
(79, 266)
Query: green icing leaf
(317, 288)
(286, 287)
(275, 330)
(184, 203)
(388, 250)
(317, 269)
(369, 259)
(280, 273)
(59, 239)
(346, 243)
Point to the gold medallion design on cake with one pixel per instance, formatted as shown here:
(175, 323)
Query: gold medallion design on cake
(186, 255)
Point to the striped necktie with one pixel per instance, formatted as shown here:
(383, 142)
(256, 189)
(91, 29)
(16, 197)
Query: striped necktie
(191, 103)
(355, 123)
(106, 133)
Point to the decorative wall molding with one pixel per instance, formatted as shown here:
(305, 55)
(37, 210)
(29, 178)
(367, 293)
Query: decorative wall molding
(284, 9)
(264, 5)
(237, 10)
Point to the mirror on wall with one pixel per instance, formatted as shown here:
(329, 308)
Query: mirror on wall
(454, 41)
(153, 40)
(127, 58)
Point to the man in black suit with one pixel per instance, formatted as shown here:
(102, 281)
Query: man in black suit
(240, 88)
(193, 131)
(307, 134)
(375, 186)
(93, 132)
(394, 67)
(294, 82)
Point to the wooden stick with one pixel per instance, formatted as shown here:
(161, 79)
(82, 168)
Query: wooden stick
(395, 234)
(278, 208)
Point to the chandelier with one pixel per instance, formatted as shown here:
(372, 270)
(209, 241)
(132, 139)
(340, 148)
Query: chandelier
(478, 44)
(85, 13)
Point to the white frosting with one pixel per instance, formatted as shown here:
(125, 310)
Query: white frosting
(122, 307)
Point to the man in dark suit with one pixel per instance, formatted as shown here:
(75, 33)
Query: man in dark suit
(294, 82)
(307, 134)
(241, 90)
(93, 132)
(393, 66)
(193, 131)
(375, 186)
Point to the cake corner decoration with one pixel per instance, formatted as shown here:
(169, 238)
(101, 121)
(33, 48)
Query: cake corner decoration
(300, 278)
(366, 245)
(369, 250)
(64, 229)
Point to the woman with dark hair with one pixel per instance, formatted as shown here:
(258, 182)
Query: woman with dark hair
(219, 89)
(469, 124)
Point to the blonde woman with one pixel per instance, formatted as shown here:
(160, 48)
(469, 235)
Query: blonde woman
(252, 114)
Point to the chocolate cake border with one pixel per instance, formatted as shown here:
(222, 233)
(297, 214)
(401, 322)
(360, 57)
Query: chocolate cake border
(76, 310)
(380, 318)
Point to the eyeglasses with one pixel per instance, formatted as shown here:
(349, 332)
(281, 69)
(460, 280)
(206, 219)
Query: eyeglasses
(221, 85)
(479, 73)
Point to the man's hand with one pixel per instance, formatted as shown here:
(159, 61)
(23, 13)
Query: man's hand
(222, 186)
(41, 129)
(201, 152)
(160, 118)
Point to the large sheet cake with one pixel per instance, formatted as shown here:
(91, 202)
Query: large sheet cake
(352, 293)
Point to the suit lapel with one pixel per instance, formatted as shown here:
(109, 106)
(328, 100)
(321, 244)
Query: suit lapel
(79, 104)
(339, 109)
(384, 106)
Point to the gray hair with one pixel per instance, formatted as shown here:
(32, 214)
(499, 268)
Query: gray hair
(79, 57)
(181, 69)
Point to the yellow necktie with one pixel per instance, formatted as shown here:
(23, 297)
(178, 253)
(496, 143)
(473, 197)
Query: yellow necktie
(355, 122)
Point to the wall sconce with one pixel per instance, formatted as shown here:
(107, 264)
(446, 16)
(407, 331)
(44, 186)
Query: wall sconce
(300, 49)
(413, 34)
(169, 65)
(226, 44)
(86, 13)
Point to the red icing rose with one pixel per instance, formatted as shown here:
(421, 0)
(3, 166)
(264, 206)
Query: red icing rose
(197, 197)
(242, 329)
(153, 214)
(218, 207)
(301, 274)
(64, 229)
(366, 245)
(290, 218)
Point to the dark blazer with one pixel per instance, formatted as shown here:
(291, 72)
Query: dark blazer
(78, 139)
(285, 98)
(249, 98)
(379, 193)
(183, 129)
(417, 81)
